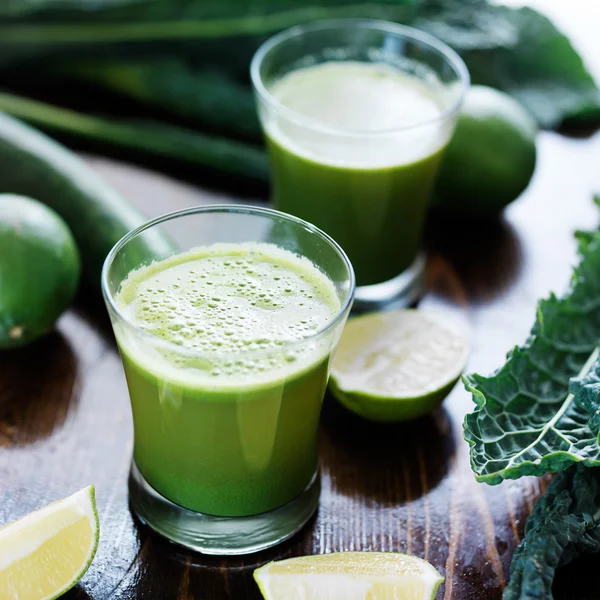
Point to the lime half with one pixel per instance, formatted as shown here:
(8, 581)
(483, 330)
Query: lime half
(349, 576)
(47, 552)
(397, 365)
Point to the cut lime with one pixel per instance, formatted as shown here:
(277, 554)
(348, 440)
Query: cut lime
(397, 365)
(47, 552)
(349, 576)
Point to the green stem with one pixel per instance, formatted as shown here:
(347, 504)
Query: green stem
(63, 33)
(147, 138)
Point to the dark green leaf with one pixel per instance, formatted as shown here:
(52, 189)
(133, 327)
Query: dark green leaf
(207, 96)
(522, 53)
(195, 20)
(563, 524)
(155, 139)
(516, 50)
(526, 422)
(586, 391)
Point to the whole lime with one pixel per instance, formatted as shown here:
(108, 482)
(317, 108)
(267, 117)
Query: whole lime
(39, 269)
(491, 156)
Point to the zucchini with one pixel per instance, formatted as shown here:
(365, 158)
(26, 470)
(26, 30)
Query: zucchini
(32, 164)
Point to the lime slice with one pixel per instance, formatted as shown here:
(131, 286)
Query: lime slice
(397, 365)
(349, 576)
(47, 552)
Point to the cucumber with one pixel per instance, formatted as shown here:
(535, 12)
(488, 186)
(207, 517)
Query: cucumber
(39, 269)
(32, 164)
(144, 138)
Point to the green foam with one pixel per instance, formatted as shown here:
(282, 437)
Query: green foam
(230, 300)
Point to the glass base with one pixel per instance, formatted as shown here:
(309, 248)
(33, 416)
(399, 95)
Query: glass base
(399, 292)
(220, 535)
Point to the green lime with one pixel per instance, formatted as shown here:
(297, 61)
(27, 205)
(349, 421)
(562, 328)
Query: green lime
(349, 575)
(491, 156)
(47, 552)
(397, 365)
(39, 269)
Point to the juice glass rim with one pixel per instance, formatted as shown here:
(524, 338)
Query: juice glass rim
(240, 209)
(403, 31)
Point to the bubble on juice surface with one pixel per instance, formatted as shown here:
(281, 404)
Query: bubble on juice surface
(253, 300)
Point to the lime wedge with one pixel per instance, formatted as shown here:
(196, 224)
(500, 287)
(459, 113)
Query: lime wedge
(397, 365)
(349, 576)
(47, 552)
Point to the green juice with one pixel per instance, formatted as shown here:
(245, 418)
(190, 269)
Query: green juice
(225, 375)
(369, 189)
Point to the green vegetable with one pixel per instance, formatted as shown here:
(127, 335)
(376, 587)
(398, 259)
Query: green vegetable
(147, 138)
(520, 52)
(209, 97)
(39, 270)
(533, 416)
(586, 391)
(526, 422)
(563, 524)
(32, 164)
(491, 156)
(192, 60)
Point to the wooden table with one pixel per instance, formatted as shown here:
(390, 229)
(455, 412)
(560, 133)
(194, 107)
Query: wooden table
(65, 419)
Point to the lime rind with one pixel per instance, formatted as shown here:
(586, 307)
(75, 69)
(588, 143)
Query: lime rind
(89, 493)
(386, 409)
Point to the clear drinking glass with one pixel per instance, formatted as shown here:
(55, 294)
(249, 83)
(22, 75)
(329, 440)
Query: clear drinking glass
(225, 467)
(368, 187)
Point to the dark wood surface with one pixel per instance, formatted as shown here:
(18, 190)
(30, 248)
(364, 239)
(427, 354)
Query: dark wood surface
(65, 419)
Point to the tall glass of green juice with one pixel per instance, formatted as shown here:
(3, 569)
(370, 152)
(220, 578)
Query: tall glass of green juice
(226, 344)
(356, 115)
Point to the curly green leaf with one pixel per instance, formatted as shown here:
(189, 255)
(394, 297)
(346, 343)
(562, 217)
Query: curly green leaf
(586, 392)
(526, 422)
(563, 525)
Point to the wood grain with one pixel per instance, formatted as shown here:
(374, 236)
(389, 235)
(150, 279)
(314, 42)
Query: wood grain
(65, 419)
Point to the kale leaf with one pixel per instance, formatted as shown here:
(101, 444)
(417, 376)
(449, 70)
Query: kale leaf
(503, 47)
(564, 524)
(586, 392)
(526, 422)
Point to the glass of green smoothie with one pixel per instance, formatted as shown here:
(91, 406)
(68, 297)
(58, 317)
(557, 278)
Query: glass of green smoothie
(356, 115)
(226, 345)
